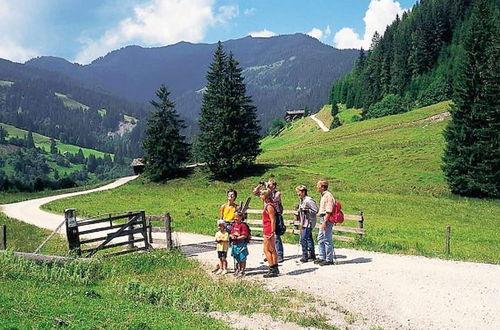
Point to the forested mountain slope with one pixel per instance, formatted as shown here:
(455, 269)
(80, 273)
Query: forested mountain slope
(414, 63)
(281, 73)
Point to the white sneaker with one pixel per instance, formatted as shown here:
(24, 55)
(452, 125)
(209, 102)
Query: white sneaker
(241, 274)
(224, 272)
(236, 272)
(218, 272)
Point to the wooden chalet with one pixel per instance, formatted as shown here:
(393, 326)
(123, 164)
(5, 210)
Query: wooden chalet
(138, 165)
(292, 115)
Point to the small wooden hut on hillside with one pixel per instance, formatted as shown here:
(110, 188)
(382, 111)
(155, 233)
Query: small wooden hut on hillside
(138, 165)
(292, 115)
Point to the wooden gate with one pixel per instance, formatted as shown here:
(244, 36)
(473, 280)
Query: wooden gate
(107, 232)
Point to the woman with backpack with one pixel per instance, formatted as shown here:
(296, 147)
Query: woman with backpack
(269, 232)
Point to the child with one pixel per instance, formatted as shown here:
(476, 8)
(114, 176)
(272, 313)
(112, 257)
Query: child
(222, 239)
(239, 236)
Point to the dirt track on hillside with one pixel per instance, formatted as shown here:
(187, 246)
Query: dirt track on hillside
(365, 290)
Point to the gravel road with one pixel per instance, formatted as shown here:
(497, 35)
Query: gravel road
(374, 289)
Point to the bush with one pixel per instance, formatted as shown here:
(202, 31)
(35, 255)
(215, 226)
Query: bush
(391, 104)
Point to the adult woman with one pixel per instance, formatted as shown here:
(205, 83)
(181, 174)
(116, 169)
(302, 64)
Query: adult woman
(228, 209)
(269, 232)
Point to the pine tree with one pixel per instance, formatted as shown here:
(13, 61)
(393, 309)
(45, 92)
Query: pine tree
(229, 138)
(80, 157)
(3, 135)
(53, 147)
(91, 163)
(30, 143)
(472, 154)
(165, 149)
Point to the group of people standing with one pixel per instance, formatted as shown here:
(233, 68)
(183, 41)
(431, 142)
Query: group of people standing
(234, 233)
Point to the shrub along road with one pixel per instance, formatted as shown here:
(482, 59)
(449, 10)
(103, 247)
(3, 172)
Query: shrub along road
(376, 289)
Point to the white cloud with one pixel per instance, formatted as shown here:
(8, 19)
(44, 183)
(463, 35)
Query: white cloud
(316, 33)
(250, 11)
(262, 34)
(159, 22)
(320, 34)
(347, 38)
(13, 28)
(11, 50)
(327, 31)
(380, 13)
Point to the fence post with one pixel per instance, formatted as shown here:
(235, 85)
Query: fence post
(3, 238)
(72, 231)
(361, 222)
(145, 230)
(168, 230)
(130, 236)
(448, 239)
(150, 230)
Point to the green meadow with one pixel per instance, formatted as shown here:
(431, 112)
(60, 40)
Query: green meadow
(151, 290)
(389, 168)
(42, 141)
(70, 103)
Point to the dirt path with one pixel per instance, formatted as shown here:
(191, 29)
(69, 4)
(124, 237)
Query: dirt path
(320, 123)
(364, 291)
(30, 212)
(376, 289)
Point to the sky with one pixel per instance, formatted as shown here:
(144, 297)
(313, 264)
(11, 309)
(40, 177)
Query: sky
(83, 30)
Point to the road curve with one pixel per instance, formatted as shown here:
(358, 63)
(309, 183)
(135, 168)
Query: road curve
(29, 211)
(320, 123)
(377, 289)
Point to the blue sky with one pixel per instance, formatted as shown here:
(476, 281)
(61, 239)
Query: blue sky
(82, 30)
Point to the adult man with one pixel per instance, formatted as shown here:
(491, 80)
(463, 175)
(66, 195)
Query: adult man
(276, 199)
(307, 215)
(325, 239)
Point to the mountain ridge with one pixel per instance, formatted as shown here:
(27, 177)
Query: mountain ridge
(135, 72)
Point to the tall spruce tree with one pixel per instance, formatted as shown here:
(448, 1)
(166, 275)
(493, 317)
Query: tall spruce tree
(229, 138)
(472, 155)
(165, 149)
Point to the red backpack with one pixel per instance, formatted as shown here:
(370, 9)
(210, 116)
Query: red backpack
(337, 215)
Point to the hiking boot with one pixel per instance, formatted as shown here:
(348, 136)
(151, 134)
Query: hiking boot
(318, 261)
(276, 269)
(326, 263)
(312, 256)
(271, 272)
(303, 259)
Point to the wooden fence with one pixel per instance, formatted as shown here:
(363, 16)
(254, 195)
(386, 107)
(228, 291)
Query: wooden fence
(293, 225)
(83, 235)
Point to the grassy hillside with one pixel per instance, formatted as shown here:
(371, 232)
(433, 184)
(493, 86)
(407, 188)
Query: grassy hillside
(42, 141)
(388, 167)
(70, 103)
(141, 291)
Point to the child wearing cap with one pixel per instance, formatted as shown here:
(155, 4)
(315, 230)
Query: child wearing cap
(222, 239)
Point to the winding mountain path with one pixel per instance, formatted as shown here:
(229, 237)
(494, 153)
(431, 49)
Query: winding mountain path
(365, 290)
(320, 123)
(29, 211)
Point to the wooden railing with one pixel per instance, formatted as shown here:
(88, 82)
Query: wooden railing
(293, 225)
